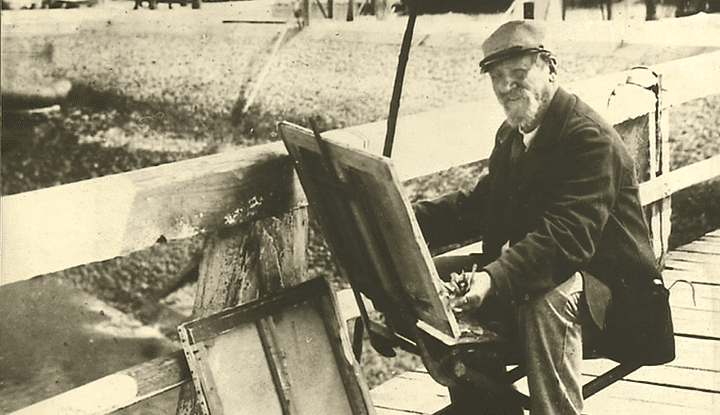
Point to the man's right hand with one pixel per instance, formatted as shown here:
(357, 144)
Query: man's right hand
(472, 289)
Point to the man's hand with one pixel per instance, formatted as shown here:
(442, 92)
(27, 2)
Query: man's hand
(472, 289)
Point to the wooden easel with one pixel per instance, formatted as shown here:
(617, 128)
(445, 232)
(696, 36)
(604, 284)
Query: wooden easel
(380, 250)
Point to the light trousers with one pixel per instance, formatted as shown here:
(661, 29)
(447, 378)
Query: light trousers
(552, 334)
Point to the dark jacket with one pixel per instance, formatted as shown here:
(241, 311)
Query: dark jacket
(569, 203)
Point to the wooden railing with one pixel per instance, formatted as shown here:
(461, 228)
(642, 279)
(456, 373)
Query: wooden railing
(253, 211)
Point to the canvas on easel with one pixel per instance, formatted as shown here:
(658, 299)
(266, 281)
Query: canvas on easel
(285, 354)
(371, 228)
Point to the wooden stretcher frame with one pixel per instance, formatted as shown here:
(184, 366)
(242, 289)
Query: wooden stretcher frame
(373, 233)
(286, 354)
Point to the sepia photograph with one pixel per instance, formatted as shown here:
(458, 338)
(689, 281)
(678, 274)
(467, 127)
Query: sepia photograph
(360, 207)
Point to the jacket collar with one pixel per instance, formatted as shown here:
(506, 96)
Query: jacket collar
(554, 120)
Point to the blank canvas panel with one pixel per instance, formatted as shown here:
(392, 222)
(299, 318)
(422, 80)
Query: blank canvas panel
(283, 355)
(233, 359)
(306, 346)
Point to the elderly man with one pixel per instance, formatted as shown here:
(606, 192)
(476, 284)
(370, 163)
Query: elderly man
(563, 231)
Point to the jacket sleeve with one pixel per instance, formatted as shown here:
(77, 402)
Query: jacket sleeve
(453, 218)
(568, 229)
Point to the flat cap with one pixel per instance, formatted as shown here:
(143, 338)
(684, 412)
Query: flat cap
(513, 39)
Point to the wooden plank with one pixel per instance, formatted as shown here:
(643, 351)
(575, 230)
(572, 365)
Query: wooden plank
(704, 247)
(703, 380)
(247, 261)
(411, 392)
(709, 241)
(691, 271)
(696, 257)
(118, 390)
(705, 244)
(276, 363)
(680, 87)
(669, 183)
(713, 234)
(624, 397)
(694, 353)
(629, 398)
(670, 376)
(711, 237)
(692, 322)
(694, 296)
(693, 368)
(115, 215)
(397, 395)
(662, 141)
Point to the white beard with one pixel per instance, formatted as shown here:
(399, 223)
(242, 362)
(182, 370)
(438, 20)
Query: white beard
(524, 112)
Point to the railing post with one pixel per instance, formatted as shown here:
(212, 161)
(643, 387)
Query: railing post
(663, 208)
(245, 262)
(647, 139)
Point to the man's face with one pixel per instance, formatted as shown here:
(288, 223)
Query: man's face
(522, 86)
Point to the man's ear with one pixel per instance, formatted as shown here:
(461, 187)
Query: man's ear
(552, 64)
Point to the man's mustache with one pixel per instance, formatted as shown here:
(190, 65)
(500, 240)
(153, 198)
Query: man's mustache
(514, 94)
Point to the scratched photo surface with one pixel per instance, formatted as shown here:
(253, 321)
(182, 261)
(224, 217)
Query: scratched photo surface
(143, 182)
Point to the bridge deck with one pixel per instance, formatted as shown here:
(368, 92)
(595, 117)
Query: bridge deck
(688, 385)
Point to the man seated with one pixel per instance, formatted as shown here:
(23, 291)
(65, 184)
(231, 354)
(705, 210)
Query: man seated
(563, 233)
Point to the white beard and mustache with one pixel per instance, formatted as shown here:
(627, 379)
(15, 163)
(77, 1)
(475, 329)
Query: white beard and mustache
(525, 111)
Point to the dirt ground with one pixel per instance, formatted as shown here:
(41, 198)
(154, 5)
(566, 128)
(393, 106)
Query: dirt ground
(54, 337)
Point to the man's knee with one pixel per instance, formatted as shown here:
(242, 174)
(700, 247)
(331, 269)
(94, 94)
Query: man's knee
(559, 304)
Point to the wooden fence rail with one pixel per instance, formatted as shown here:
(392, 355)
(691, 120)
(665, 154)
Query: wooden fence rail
(115, 215)
(251, 205)
(118, 390)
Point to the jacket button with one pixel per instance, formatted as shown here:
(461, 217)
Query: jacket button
(527, 297)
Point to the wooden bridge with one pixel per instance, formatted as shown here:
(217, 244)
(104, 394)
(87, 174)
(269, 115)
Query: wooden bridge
(688, 385)
(254, 214)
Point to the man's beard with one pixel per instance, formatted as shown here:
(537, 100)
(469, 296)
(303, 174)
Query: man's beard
(526, 111)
